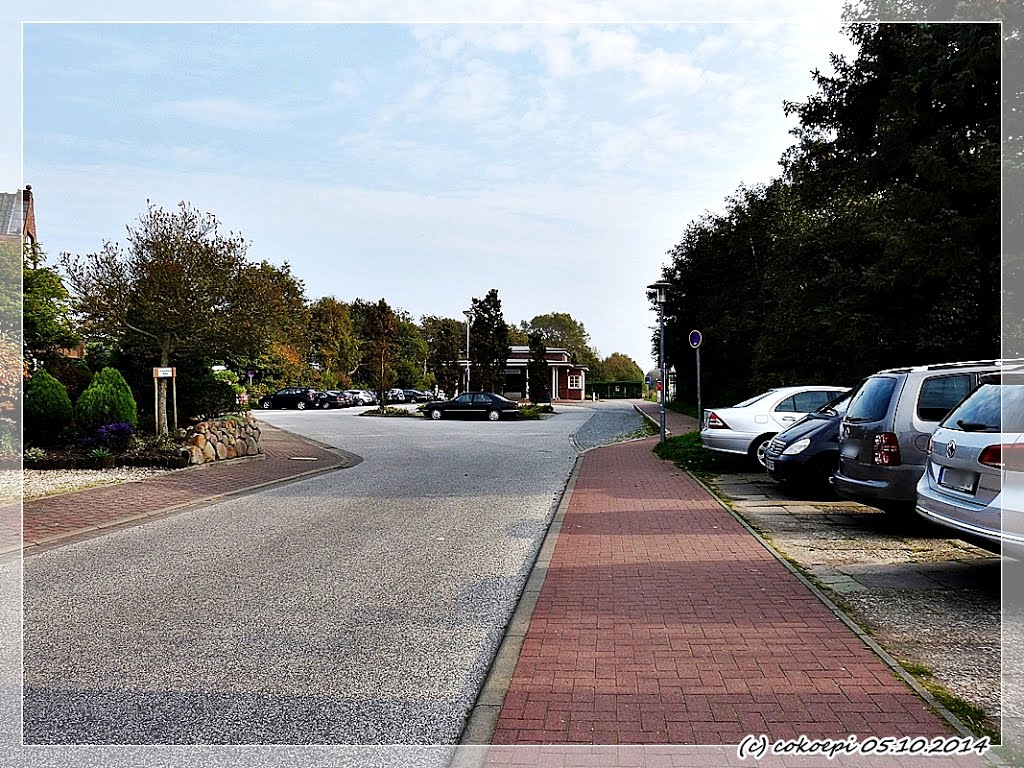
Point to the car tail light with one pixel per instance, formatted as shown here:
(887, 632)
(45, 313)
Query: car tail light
(714, 422)
(1006, 456)
(887, 450)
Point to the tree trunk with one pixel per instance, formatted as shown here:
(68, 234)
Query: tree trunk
(161, 394)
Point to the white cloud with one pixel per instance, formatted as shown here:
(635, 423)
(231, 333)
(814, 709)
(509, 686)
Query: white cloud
(480, 91)
(225, 113)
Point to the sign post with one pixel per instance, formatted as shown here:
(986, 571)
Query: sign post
(696, 337)
(164, 373)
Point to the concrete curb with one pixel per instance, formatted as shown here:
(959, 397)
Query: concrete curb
(483, 717)
(894, 666)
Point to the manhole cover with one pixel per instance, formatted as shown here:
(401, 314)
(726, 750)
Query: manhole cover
(303, 458)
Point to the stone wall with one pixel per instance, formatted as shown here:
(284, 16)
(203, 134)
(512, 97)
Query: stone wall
(226, 438)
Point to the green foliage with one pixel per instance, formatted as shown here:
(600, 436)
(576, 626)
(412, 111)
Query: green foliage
(620, 367)
(47, 408)
(560, 329)
(204, 393)
(333, 344)
(380, 326)
(74, 374)
(445, 338)
(489, 346)
(879, 246)
(47, 315)
(106, 400)
(100, 453)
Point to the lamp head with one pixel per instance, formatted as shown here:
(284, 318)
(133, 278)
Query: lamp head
(661, 287)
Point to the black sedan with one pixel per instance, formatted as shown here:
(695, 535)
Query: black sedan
(332, 398)
(472, 404)
(291, 397)
(807, 453)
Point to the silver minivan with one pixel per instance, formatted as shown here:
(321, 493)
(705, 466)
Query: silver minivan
(883, 438)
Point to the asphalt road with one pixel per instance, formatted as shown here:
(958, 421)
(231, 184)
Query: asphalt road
(357, 607)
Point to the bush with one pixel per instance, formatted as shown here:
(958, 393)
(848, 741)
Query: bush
(107, 399)
(73, 374)
(203, 393)
(48, 408)
(114, 436)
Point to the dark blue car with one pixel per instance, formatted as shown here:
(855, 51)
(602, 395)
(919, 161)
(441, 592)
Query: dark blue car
(807, 453)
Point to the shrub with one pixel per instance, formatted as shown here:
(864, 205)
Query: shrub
(106, 400)
(47, 408)
(73, 374)
(114, 436)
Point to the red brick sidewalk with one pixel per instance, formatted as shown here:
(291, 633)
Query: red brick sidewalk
(662, 620)
(55, 517)
(675, 423)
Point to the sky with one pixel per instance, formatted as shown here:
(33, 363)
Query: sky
(424, 162)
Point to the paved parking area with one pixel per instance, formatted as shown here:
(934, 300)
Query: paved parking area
(929, 600)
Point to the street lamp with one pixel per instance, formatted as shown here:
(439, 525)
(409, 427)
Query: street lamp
(661, 289)
(469, 318)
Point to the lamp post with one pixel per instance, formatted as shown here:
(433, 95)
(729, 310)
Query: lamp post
(469, 317)
(661, 288)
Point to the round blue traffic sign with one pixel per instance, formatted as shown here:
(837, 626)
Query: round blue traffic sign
(695, 339)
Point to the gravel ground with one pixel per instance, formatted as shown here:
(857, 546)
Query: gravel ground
(612, 421)
(361, 606)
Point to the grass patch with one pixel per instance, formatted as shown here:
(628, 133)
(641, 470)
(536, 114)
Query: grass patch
(647, 429)
(973, 717)
(687, 453)
(687, 409)
(533, 411)
(387, 410)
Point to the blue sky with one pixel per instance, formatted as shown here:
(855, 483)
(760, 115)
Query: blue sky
(420, 162)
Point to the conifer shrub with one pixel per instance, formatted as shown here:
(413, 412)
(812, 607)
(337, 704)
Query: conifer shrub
(107, 399)
(48, 409)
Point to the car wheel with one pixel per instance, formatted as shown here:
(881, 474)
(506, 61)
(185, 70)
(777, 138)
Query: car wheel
(301, 405)
(493, 415)
(265, 405)
(434, 414)
(759, 448)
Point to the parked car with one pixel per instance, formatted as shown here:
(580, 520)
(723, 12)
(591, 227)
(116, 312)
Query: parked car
(746, 428)
(883, 438)
(807, 453)
(332, 398)
(291, 397)
(396, 395)
(416, 396)
(974, 472)
(472, 404)
(362, 396)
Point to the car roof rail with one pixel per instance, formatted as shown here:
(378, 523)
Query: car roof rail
(995, 362)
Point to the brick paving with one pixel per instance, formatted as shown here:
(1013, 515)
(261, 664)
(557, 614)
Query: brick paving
(661, 620)
(55, 517)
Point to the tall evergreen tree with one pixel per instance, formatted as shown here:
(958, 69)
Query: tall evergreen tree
(489, 346)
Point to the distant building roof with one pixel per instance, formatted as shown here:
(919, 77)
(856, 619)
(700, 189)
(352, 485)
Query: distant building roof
(17, 215)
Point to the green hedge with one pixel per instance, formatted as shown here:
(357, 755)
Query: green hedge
(107, 399)
(48, 409)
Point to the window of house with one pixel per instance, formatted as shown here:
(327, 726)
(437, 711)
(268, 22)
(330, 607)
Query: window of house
(575, 381)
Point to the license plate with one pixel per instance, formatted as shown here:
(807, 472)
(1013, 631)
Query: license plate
(957, 479)
(769, 465)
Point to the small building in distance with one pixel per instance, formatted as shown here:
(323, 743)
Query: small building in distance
(568, 381)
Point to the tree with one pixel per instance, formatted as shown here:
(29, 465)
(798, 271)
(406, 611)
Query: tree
(537, 369)
(181, 288)
(489, 347)
(560, 329)
(620, 367)
(333, 345)
(444, 337)
(411, 354)
(48, 323)
(381, 328)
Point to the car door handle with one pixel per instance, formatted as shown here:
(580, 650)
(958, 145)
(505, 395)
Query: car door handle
(789, 418)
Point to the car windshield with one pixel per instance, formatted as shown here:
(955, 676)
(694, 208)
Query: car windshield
(753, 400)
(990, 408)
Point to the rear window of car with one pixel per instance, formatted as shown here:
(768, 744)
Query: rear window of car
(981, 411)
(871, 402)
(939, 394)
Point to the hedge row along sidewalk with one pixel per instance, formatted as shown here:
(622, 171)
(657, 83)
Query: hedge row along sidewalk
(56, 518)
(662, 620)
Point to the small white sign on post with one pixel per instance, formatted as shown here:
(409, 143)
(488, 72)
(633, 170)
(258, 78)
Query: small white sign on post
(163, 373)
